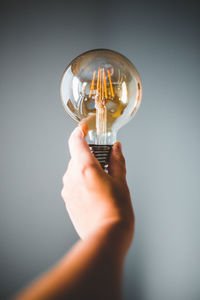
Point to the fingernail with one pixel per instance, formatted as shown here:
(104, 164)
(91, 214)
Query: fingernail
(117, 146)
(84, 129)
(82, 133)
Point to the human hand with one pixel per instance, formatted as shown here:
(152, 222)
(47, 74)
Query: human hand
(93, 198)
(100, 208)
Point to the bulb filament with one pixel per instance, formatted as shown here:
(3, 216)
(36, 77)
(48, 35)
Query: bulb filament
(103, 86)
(102, 91)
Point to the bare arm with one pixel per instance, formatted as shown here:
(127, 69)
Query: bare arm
(100, 208)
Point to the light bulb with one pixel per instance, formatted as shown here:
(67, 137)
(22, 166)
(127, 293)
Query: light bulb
(101, 88)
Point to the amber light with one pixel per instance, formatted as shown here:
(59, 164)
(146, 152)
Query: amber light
(100, 86)
(102, 89)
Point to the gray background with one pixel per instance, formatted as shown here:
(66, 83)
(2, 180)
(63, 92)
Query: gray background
(161, 144)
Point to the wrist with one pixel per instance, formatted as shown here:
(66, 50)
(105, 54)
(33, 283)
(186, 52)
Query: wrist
(114, 237)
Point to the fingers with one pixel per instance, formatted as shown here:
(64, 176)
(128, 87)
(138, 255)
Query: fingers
(84, 128)
(78, 146)
(117, 167)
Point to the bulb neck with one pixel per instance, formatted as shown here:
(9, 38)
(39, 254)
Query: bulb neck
(108, 138)
(102, 154)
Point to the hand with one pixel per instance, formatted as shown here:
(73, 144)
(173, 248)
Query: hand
(100, 208)
(93, 198)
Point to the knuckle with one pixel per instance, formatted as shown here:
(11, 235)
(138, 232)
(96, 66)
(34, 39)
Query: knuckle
(63, 193)
(89, 170)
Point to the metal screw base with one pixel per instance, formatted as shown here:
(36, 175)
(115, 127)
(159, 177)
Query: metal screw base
(102, 154)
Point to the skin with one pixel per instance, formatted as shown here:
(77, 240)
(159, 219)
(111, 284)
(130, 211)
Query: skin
(100, 209)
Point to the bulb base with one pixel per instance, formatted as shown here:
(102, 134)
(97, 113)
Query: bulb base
(102, 154)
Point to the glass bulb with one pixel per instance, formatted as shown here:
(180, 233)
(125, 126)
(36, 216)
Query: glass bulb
(101, 88)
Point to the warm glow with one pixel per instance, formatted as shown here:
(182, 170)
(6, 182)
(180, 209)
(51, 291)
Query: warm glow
(102, 89)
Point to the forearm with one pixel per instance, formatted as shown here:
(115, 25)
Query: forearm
(91, 270)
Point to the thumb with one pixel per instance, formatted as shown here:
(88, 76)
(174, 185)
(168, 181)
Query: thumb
(78, 146)
(117, 166)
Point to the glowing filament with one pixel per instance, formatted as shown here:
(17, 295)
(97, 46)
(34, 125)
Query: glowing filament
(101, 85)
(100, 96)
(92, 85)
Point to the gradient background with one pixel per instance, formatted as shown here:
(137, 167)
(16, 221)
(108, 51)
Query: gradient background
(161, 144)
